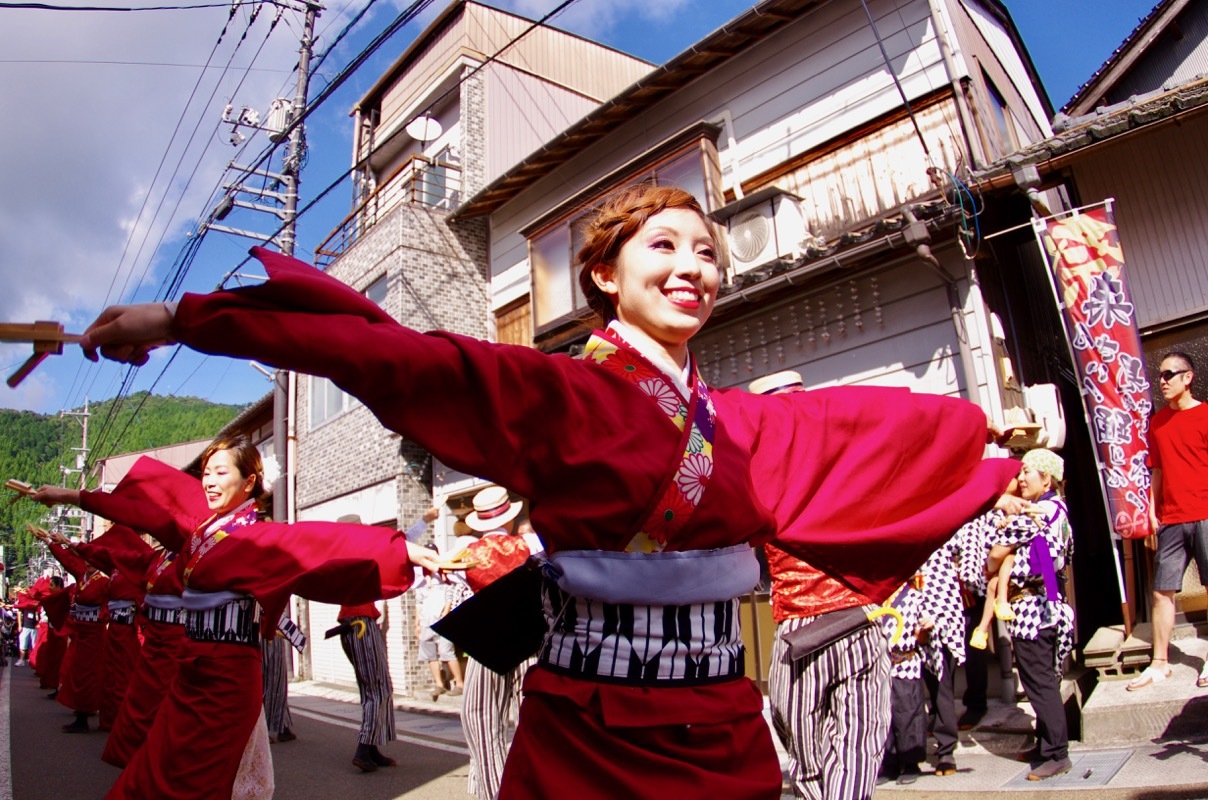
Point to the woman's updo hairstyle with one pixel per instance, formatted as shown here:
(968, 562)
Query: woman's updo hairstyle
(617, 218)
(246, 457)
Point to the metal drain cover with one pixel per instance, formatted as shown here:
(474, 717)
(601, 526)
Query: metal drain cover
(1091, 768)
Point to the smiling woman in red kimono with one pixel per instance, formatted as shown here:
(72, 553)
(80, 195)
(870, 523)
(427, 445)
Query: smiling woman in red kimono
(231, 567)
(648, 488)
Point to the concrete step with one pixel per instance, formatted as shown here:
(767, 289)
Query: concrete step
(1172, 708)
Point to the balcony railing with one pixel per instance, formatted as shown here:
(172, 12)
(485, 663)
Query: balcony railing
(419, 181)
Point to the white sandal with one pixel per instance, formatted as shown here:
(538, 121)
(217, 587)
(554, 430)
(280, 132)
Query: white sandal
(1202, 681)
(1149, 676)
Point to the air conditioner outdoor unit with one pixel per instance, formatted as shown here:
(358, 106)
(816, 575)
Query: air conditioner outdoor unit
(1045, 404)
(762, 228)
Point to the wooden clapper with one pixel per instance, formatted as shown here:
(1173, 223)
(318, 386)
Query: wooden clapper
(48, 339)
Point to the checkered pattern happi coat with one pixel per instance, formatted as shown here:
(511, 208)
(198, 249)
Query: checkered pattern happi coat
(973, 542)
(942, 603)
(909, 603)
(1034, 612)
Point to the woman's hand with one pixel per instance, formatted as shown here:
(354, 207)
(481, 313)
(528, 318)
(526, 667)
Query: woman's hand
(128, 333)
(48, 537)
(1012, 505)
(52, 496)
(41, 534)
(421, 556)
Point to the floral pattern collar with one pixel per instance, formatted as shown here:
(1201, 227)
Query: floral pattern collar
(206, 537)
(686, 402)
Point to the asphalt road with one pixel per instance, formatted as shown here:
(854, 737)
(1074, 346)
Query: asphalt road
(47, 764)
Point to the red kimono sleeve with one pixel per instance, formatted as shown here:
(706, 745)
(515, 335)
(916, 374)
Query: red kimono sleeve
(119, 549)
(544, 426)
(57, 604)
(70, 561)
(138, 514)
(865, 483)
(329, 562)
(27, 600)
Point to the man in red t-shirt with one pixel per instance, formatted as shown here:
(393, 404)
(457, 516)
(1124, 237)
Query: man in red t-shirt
(1178, 456)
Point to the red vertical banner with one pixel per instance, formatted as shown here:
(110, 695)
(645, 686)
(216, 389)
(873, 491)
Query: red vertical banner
(1088, 266)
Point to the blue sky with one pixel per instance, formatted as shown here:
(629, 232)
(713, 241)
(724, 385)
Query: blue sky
(94, 100)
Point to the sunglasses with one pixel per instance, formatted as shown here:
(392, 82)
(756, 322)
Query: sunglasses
(1168, 374)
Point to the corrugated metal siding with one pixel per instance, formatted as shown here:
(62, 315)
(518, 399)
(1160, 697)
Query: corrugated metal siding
(823, 76)
(877, 172)
(577, 64)
(524, 112)
(409, 87)
(1170, 61)
(1158, 181)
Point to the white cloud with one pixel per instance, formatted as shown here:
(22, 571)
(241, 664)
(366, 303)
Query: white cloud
(81, 143)
(33, 393)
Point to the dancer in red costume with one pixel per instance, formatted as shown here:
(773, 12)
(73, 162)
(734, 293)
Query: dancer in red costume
(83, 671)
(47, 657)
(647, 487)
(122, 641)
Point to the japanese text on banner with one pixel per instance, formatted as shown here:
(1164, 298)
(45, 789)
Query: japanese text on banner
(1088, 262)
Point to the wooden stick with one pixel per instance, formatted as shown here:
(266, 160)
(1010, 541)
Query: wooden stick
(23, 371)
(19, 486)
(36, 332)
(47, 337)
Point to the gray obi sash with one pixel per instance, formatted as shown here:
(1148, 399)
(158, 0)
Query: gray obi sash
(165, 608)
(121, 612)
(661, 619)
(224, 617)
(82, 612)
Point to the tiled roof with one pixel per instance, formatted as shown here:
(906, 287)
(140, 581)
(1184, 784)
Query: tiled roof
(1074, 134)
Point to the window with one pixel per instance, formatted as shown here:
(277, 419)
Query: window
(557, 298)
(1002, 117)
(328, 400)
(377, 291)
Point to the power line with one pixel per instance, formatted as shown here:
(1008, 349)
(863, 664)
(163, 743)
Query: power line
(50, 7)
(189, 252)
(83, 62)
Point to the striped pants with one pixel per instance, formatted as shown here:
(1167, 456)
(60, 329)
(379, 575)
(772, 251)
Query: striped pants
(276, 685)
(368, 657)
(487, 706)
(831, 712)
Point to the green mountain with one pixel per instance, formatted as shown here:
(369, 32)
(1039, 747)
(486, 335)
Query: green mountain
(34, 448)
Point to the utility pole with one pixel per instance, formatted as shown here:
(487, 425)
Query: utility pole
(81, 460)
(285, 192)
(285, 384)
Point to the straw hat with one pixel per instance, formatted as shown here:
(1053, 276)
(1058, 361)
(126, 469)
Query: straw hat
(770, 384)
(352, 519)
(492, 509)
